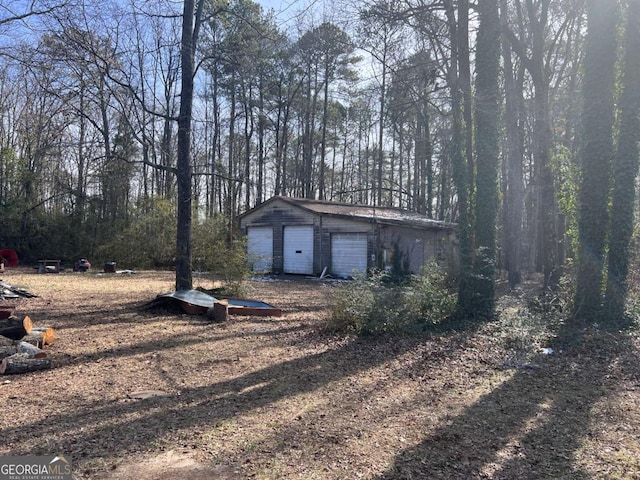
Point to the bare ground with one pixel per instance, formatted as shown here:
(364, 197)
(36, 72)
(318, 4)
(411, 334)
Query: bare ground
(279, 398)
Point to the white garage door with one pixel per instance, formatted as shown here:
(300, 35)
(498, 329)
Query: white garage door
(260, 248)
(298, 249)
(348, 254)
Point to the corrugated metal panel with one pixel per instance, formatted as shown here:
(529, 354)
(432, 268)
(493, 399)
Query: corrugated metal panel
(260, 248)
(298, 249)
(348, 254)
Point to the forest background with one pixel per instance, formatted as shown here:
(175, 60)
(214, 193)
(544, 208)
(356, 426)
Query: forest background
(507, 117)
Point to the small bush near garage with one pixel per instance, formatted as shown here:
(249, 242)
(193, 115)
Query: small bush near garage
(373, 304)
(224, 257)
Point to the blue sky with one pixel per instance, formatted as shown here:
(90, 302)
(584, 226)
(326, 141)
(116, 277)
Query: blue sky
(289, 9)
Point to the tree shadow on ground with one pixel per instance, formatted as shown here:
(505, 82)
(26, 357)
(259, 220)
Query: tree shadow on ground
(118, 427)
(156, 345)
(532, 426)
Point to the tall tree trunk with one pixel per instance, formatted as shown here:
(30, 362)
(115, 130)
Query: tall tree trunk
(380, 159)
(262, 119)
(487, 115)
(427, 189)
(420, 151)
(400, 166)
(323, 136)
(460, 172)
(309, 130)
(625, 171)
(597, 151)
(547, 213)
(514, 194)
(444, 201)
(216, 147)
(278, 139)
(190, 28)
(248, 134)
(464, 72)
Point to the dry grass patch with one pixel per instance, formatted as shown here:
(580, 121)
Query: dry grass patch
(276, 398)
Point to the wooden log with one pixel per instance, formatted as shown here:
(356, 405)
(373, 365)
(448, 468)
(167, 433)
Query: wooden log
(30, 351)
(47, 334)
(14, 333)
(219, 312)
(7, 351)
(17, 321)
(6, 342)
(19, 364)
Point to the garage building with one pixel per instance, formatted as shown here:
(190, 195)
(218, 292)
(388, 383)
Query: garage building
(304, 236)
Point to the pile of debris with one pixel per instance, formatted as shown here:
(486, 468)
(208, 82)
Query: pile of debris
(9, 292)
(22, 345)
(197, 302)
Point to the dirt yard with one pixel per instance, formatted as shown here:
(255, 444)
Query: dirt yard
(279, 398)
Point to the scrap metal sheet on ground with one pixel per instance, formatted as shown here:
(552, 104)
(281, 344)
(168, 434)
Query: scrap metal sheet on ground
(197, 303)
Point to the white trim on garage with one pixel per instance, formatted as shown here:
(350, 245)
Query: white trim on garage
(260, 248)
(298, 249)
(348, 254)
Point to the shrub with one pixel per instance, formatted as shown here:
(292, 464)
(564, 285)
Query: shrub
(149, 241)
(373, 304)
(214, 252)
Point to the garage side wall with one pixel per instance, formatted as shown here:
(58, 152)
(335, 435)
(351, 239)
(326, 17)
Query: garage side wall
(419, 247)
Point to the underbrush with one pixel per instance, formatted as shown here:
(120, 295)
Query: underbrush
(376, 304)
(530, 321)
(525, 333)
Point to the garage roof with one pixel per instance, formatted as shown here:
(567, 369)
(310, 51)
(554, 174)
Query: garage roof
(385, 215)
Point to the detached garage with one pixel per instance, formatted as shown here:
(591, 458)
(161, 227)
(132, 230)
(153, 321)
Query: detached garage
(303, 236)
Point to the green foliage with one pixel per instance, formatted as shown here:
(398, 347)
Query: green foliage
(372, 304)
(213, 252)
(149, 240)
(537, 323)
(567, 174)
(523, 333)
(400, 269)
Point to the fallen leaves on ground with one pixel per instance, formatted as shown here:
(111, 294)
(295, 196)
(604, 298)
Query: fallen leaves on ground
(280, 398)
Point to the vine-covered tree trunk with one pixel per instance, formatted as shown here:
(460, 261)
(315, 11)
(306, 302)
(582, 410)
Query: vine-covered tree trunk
(459, 168)
(597, 150)
(487, 115)
(625, 171)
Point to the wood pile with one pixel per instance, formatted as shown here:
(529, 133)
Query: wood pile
(22, 346)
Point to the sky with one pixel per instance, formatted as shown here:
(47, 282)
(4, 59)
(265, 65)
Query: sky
(289, 10)
(285, 7)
